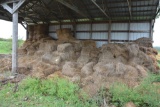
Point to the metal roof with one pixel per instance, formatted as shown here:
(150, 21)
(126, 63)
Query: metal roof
(52, 11)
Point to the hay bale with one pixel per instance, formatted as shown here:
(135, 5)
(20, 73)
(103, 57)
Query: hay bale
(76, 78)
(68, 56)
(22, 51)
(39, 53)
(50, 70)
(88, 43)
(55, 75)
(91, 89)
(113, 53)
(66, 52)
(49, 58)
(145, 42)
(47, 46)
(70, 69)
(31, 52)
(77, 45)
(133, 50)
(65, 34)
(141, 71)
(67, 47)
(87, 69)
(24, 70)
(82, 60)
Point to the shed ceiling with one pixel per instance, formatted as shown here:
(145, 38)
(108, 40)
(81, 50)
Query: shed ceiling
(59, 11)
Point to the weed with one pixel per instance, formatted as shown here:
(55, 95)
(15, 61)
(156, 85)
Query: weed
(145, 95)
(44, 93)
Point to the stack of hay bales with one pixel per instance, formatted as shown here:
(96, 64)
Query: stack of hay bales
(82, 61)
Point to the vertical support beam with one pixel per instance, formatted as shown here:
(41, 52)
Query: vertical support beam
(15, 42)
(151, 30)
(90, 37)
(74, 29)
(129, 28)
(27, 33)
(109, 31)
(60, 26)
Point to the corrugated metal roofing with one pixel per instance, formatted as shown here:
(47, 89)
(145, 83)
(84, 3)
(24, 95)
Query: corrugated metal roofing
(47, 11)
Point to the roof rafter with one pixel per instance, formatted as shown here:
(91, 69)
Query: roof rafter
(129, 8)
(84, 5)
(74, 8)
(101, 9)
(49, 9)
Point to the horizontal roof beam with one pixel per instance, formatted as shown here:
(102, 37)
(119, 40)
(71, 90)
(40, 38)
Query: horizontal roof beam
(15, 8)
(133, 6)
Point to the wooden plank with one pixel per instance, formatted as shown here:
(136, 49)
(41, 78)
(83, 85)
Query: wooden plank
(109, 32)
(129, 8)
(90, 31)
(74, 29)
(129, 28)
(151, 30)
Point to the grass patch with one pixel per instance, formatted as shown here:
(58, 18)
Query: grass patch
(44, 93)
(147, 94)
(6, 45)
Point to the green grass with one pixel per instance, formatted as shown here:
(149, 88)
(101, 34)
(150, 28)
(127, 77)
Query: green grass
(6, 45)
(147, 94)
(44, 93)
(60, 92)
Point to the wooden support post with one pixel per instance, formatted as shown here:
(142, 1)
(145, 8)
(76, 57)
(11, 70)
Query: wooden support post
(15, 42)
(90, 37)
(151, 30)
(60, 27)
(27, 33)
(129, 28)
(109, 31)
(74, 30)
(14, 11)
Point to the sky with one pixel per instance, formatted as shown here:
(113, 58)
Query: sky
(6, 31)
